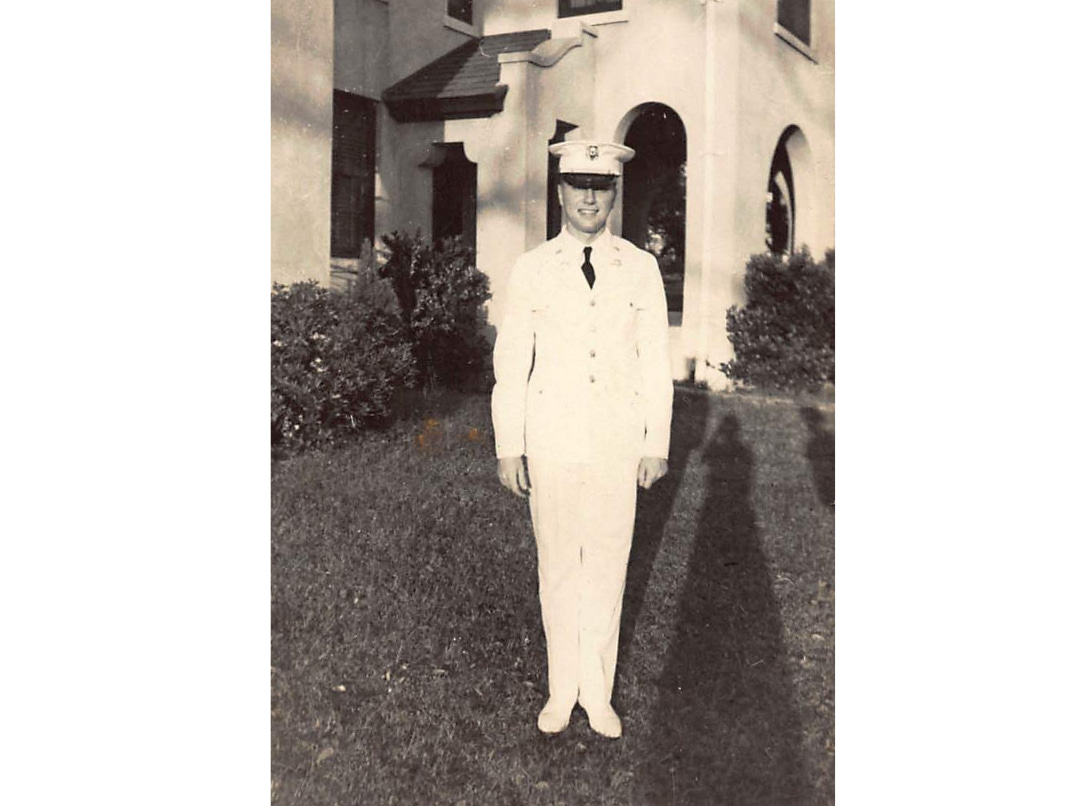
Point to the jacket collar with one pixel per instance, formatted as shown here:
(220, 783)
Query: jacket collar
(604, 245)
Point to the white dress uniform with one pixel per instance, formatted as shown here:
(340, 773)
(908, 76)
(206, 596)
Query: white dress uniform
(583, 390)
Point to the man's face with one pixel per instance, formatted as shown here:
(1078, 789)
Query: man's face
(587, 200)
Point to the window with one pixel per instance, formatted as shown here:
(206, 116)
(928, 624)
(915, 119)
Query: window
(460, 10)
(780, 207)
(654, 195)
(554, 212)
(795, 16)
(574, 8)
(352, 181)
(453, 196)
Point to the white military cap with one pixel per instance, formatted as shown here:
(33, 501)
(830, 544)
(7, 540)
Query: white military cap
(589, 157)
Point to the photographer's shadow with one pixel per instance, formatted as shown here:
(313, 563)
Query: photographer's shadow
(724, 727)
(654, 509)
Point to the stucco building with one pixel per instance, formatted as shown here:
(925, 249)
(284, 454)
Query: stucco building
(436, 115)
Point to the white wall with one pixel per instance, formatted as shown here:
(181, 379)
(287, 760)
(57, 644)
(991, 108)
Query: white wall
(418, 36)
(507, 16)
(780, 87)
(301, 120)
(362, 50)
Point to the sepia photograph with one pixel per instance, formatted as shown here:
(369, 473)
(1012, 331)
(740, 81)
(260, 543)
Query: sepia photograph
(552, 402)
(549, 514)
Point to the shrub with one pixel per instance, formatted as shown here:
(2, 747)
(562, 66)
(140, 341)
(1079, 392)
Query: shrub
(784, 337)
(337, 360)
(360, 276)
(441, 294)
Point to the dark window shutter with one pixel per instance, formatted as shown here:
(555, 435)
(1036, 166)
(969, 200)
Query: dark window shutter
(352, 187)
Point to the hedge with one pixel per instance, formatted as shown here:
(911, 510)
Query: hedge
(337, 360)
(784, 336)
(340, 357)
(441, 294)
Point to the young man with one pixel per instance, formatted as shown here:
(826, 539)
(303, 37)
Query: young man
(582, 416)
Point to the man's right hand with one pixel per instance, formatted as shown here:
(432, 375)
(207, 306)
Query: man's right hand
(513, 475)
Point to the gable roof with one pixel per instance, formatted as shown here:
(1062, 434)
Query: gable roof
(463, 83)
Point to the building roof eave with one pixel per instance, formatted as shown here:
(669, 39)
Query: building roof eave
(414, 110)
(463, 83)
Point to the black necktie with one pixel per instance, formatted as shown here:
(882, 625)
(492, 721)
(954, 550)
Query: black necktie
(587, 268)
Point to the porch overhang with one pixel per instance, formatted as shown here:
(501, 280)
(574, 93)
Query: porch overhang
(463, 83)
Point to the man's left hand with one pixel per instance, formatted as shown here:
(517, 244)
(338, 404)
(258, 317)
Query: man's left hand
(650, 469)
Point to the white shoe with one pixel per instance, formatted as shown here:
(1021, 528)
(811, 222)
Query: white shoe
(605, 721)
(554, 718)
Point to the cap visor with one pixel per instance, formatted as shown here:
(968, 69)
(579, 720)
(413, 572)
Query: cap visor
(594, 181)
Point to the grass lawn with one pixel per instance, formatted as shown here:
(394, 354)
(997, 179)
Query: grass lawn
(408, 655)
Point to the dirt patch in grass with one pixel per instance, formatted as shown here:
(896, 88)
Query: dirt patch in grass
(408, 658)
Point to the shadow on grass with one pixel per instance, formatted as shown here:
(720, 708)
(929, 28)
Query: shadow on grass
(689, 419)
(821, 453)
(725, 728)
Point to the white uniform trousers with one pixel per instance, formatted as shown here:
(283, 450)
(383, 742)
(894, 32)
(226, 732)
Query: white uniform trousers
(583, 519)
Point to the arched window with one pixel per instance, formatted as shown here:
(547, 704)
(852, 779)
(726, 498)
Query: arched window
(654, 194)
(780, 204)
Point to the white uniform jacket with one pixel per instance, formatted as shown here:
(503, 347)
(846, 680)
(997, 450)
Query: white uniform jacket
(583, 374)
